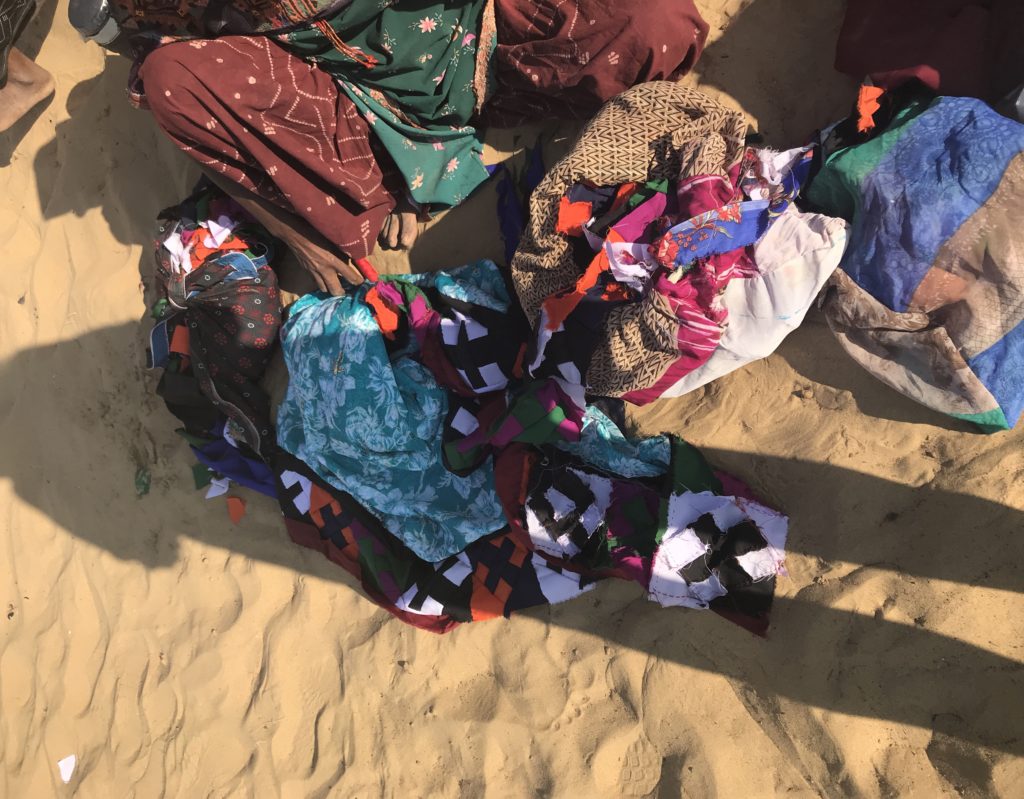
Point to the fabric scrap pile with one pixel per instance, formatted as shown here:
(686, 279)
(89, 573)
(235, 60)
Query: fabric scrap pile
(663, 252)
(218, 312)
(421, 456)
(930, 296)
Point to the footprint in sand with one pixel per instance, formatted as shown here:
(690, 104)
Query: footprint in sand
(627, 765)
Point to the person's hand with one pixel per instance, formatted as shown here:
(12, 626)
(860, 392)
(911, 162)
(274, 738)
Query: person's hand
(401, 227)
(329, 271)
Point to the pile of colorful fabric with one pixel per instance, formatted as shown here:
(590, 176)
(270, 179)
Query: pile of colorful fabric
(415, 449)
(668, 248)
(218, 316)
(930, 296)
(458, 487)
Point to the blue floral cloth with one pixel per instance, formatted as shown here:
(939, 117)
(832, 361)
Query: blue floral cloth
(371, 426)
(603, 445)
(370, 421)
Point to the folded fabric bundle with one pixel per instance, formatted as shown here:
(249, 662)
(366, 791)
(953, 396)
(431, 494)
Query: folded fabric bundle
(492, 577)
(218, 315)
(930, 295)
(636, 235)
(795, 259)
(422, 453)
(369, 422)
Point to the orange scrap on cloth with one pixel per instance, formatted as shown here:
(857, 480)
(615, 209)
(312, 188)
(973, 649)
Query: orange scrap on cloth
(558, 306)
(236, 509)
(387, 317)
(200, 251)
(573, 216)
(366, 269)
(867, 105)
(180, 342)
(624, 193)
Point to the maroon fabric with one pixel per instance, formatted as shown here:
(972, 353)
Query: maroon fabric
(246, 108)
(279, 127)
(566, 58)
(307, 535)
(957, 47)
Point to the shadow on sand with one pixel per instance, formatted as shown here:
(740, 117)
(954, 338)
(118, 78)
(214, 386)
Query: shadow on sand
(849, 662)
(858, 663)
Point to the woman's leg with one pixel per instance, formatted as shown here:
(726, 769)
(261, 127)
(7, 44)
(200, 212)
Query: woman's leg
(262, 120)
(566, 58)
(28, 84)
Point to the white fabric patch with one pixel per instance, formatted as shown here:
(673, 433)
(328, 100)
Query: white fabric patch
(568, 547)
(759, 564)
(493, 377)
(449, 331)
(539, 535)
(474, 329)
(795, 258)
(289, 480)
(557, 586)
(457, 573)
(218, 487)
(450, 328)
(181, 261)
(667, 586)
(561, 505)
(431, 607)
(465, 422)
(570, 372)
(220, 228)
(66, 767)
(631, 264)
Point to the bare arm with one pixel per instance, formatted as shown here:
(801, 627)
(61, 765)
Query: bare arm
(314, 252)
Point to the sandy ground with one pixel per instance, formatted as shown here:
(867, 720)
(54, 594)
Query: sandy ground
(177, 654)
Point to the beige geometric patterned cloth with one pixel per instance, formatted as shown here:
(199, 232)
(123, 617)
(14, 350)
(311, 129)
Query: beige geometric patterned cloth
(653, 131)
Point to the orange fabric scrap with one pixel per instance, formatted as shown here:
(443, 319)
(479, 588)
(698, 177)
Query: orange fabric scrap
(236, 509)
(867, 105)
(572, 217)
(387, 317)
(180, 341)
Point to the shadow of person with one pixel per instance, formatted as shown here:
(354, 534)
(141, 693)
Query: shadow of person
(88, 165)
(81, 425)
(824, 658)
(788, 97)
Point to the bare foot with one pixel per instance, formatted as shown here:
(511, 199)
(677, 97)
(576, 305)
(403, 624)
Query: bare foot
(28, 84)
(400, 228)
(327, 269)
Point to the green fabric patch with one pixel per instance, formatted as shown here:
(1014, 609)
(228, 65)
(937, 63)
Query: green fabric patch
(837, 188)
(410, 70)
(201, 475)
(989, 421)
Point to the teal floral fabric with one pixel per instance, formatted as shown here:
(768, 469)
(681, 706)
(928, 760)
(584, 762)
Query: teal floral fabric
(369, 420)
(479, 283)
(603, 446)
(371, 426)
(409, 68)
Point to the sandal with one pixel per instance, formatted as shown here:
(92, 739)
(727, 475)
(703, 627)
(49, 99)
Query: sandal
(14, 16)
